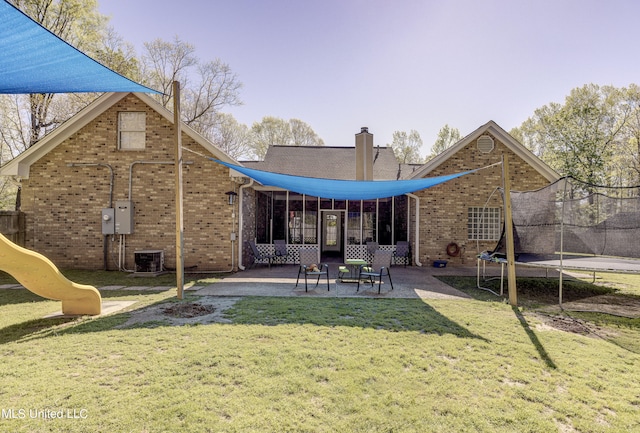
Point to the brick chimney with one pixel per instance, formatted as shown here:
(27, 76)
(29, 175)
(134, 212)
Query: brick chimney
(364, 155)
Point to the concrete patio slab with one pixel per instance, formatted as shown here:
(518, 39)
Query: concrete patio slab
(409, 282)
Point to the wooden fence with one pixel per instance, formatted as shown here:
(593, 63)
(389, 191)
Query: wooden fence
(12, 226)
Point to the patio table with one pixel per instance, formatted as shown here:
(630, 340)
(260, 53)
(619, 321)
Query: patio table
(352, 268)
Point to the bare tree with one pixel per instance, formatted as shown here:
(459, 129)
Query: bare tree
(232, 137)
(206, 87)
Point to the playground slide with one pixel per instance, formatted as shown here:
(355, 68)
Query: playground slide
(39, 275)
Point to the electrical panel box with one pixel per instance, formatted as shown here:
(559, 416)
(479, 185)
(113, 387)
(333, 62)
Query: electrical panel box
(108, 221)
(124, 217)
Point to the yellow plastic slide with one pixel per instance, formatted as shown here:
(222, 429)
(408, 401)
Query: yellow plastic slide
(39, 275)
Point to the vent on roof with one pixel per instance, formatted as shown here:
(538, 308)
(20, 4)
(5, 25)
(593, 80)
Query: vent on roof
(485, 144)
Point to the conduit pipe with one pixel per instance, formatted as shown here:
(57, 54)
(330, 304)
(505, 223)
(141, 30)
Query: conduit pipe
(122, 249)
(105, 242)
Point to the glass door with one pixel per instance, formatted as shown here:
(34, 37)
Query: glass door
(331, 231)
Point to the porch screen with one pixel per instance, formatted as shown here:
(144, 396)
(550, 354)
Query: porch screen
(342, 189)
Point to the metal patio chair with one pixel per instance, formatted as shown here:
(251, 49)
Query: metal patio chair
(280, 250)
(309, 257)
(260, 256)
(403, 252)
(378, 269)
(372, 247)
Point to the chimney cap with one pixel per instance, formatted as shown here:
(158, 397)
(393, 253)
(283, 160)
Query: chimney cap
(364, 129)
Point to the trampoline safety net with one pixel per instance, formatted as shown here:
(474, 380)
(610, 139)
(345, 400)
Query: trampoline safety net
(569, 216)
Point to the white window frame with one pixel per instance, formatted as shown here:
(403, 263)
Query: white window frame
(132, 130)
(484, 223)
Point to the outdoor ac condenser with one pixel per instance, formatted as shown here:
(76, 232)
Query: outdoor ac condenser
(149, 261)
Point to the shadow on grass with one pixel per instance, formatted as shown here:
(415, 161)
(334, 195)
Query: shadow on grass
(24, 296)
(32, 329)
(531, 291)
(47, 326)
(393, 315)
(534, 339)
(19, 296)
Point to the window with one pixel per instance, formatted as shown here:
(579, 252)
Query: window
(310, 228)
(296, 217)
(131, 130)
(401, 204)
(484, 223)
(279, 222)
(263, 216)
(369, 213)
(385, 221)
(354, 230)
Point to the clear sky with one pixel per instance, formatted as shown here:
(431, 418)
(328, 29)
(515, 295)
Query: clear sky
(398, 65)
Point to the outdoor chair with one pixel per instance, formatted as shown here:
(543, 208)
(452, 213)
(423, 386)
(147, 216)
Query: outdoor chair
(259, 256)
(308, 267)
(372, 247)
(280, 250)
(378, 269)
(403, 252)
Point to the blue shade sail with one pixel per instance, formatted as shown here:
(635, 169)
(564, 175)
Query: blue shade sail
(34, 60)
(342, 189)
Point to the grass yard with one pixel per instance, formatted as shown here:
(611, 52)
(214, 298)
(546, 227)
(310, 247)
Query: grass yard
(319, 365)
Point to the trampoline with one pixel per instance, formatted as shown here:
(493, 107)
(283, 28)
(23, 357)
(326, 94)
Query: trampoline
(572, 225)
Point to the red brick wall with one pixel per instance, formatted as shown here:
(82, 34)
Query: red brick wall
(63, 204)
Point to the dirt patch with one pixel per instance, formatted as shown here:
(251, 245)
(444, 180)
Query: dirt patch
(616, 305)
(567, 324)
(188, 310)
(206, 309)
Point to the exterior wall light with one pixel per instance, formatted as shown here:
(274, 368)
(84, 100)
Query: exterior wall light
(232, 197)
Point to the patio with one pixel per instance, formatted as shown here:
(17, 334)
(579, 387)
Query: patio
(410, 282)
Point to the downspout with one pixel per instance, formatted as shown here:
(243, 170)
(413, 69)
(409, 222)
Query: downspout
(241, 221)
(416, 242)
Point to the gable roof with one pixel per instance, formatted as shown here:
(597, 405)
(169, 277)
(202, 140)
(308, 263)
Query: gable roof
(324, 162)
(20, 165)
(504, 137)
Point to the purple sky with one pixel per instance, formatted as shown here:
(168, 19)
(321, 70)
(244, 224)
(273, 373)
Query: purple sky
(398, 65)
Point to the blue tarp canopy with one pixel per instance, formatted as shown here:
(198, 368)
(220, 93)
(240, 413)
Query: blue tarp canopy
(342, 189)
(34, 60)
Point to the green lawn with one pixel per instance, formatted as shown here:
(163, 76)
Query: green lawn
(317, 365)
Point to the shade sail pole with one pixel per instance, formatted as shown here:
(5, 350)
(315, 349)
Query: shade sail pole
(508, 222)
(178, 169)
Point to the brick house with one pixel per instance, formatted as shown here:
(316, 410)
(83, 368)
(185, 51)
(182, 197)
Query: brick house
(466, 211)
(120, 150)
(113, 162)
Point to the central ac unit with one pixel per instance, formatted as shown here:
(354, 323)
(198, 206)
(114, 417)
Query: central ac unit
(149, 261)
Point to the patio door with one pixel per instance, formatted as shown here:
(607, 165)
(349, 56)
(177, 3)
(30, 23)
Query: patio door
(331, 231)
